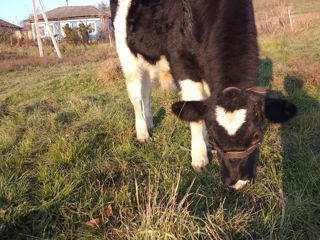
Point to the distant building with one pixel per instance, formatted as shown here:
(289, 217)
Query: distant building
(6, 26)
(71, 15)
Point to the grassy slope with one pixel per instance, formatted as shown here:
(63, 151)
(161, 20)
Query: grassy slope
(67, 151)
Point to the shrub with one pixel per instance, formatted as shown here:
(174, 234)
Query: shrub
(78, 35)
(72, 35)
(8, 38)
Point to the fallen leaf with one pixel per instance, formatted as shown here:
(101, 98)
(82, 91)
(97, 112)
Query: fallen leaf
(93, 222)
(254, 199)
(108, 210)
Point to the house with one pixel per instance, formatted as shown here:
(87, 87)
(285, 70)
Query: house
(6, 26)
(73, 16)
(10, 28)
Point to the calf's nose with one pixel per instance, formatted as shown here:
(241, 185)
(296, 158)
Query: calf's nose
(239, 185)
(236, 185)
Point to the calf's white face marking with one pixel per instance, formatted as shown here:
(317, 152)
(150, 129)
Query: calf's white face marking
(231, 121)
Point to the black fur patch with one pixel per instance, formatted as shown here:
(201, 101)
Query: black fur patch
(113, 8)
(189, 111)
(232, 99)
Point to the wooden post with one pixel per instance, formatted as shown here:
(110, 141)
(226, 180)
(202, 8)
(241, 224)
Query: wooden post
(290, 19)
(50, 32)
(36, 23)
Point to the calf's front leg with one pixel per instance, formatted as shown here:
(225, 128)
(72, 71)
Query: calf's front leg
(195, 91)
(198, 146)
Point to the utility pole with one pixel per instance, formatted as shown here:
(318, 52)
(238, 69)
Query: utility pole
(36, 23)
(50, 32)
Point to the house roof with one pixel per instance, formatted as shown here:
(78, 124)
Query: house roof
(69, 12)
(4, 24)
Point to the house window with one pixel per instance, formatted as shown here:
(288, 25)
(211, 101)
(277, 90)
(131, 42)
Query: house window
(51, 26)
(42, 31)
(62, 25)
(92, 28)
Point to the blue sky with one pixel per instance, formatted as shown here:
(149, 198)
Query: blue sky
(14, 11)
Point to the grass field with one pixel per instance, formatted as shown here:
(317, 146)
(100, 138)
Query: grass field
(70, 167)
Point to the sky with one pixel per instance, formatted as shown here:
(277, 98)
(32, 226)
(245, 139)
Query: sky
(15, 11)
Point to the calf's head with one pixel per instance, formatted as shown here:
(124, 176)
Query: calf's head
(234, 121)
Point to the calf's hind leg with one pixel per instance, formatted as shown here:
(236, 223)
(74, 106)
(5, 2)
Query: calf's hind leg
(139, 90)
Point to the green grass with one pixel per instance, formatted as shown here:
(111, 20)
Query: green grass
(68, 151)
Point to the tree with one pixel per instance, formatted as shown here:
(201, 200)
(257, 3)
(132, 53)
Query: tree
(104, 13)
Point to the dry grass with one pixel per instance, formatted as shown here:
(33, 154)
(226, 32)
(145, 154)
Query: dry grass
(17, 58)
(298, 68)
(272, 16)
(309, 72)
(108, 72)
(279, 16)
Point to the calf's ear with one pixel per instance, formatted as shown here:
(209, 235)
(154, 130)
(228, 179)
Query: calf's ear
(190, 111)
(279, 110)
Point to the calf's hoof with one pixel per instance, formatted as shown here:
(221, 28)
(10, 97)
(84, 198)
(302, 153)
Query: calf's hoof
(200, 161)
(143, 136)
(199, 169)
(143, 140)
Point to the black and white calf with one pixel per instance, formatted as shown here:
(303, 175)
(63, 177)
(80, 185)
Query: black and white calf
(210, 49)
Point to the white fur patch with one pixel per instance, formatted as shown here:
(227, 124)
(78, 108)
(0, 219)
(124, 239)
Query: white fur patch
(161, 65)
(240, 184)
(193, 91)
(128, 61)
(231, 121)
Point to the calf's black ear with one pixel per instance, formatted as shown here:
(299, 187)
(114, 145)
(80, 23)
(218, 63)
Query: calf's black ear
(279, 110)
(190, 111)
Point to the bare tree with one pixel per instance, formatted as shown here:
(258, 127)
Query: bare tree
(104, 13)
